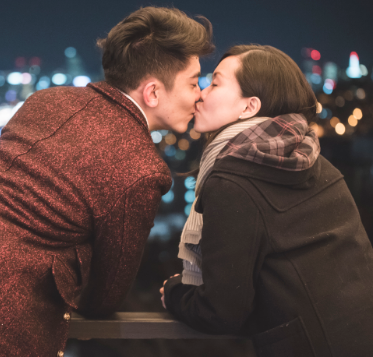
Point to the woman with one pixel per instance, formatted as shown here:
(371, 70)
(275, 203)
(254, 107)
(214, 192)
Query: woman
(274, 247)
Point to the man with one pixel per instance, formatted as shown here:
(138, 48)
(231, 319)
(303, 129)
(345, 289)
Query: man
(81, 181)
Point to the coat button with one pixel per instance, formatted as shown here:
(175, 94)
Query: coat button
(67, 316)
(60, 354)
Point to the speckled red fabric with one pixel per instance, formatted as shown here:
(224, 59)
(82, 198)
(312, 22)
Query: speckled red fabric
(80, 184)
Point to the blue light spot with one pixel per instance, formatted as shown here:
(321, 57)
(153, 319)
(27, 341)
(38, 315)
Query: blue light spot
(11, 95)
(190, 183)
(323, 114)
(170, 150)
(70, 52)
(2, 81)
(180, 155)
(189, 196)
(315, 78)
(44, 83)
(156, 136)
(163, 132)
(168, 197)
(187, 209)
(203, 82)
(327, 88)
(81, 81)
(59, 79)
(15, 78)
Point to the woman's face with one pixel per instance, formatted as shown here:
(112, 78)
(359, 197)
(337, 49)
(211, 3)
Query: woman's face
(222, 102)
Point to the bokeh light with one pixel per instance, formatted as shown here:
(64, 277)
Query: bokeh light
(340, 129)
(15, 78)
(315, 55)
(170, 139)
(168, 197)
(189, 196)
(59, 79)
(70, 52)
(334, 121)
(352, 120)
(194, 134)
(81, 81)
(183, 144)
(190, 182)
(156, 136)
(357, 113)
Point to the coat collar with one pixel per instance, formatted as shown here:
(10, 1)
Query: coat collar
(115, 94)
(300, 179)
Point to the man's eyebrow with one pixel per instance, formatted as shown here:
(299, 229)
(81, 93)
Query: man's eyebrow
(198, 74)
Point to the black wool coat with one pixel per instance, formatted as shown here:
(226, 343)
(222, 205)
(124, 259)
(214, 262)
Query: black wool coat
(285, 260)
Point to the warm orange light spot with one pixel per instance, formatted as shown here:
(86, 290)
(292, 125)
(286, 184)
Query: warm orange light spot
(352, 120)
(194, 135)
(170, 139)
(183, 144)
(340, 129)
(334, 121)
(357, 113)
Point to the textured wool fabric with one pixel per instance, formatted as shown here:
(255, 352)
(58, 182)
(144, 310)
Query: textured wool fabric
(80, 184)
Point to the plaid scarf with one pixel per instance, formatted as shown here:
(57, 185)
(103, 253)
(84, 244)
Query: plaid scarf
(284, 142)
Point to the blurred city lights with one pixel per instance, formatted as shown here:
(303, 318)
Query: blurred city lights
(2, 80)
(11, 95)
(156, 136)
(357, 113)
(180, 155)
(327, 88)
(81, 81)
(70, 52)
(364, 70)
(168, 197)
(35, 61)
(315, 55)
(183, 144)
(194, 135)
(44, 83)
(26, 78)
(339, 101)
(170, 139)
(163, 132)
(318, 108)
(203, 82)
(188, 208)
(5, 114)
(190, 182)
(315, 78)
(352, 120)
(323, 114)
(334, 121)
(340, 129)
(189, 196)
(319, 130)
(15, 78)
(20, 62)
(360, 93)
(59, 79)
(316, 69)
(170, 150)
(354, 71)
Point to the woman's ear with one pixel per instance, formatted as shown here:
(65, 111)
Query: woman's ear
(253, 105)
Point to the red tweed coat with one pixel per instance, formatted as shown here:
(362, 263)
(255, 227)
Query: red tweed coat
(80, 184)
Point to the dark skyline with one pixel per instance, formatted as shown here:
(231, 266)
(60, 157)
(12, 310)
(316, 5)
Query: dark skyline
(45, 28)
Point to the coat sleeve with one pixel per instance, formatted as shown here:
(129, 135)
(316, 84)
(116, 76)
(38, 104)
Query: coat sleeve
(230, 245)
(119, 241)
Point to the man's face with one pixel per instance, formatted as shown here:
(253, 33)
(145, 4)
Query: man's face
(177, 107)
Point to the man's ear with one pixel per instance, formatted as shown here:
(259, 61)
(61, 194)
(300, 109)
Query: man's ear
(151, 94)
(253, 105)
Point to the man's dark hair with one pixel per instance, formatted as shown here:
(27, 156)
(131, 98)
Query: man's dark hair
(154, 41)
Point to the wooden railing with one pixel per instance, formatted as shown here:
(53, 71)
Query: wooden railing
(135, 325)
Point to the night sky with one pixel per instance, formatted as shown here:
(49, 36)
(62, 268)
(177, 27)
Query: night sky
(45, 28)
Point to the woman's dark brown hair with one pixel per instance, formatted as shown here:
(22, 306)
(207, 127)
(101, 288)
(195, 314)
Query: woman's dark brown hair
(273, 77)
(153, 41)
